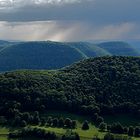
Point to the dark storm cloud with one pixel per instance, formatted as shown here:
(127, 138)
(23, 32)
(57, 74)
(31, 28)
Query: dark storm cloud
(101, 11)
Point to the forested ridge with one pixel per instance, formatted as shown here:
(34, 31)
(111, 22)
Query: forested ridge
(102, 85)
(38, 55)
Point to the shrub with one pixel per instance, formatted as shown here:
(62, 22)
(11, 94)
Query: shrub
(23, 123)
(85, 125)
(68, 122)
(102, 126)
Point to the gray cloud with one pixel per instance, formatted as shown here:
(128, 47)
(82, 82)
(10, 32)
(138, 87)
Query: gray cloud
(99, 11)
(61, 19)
(4, 4)
(66, 31)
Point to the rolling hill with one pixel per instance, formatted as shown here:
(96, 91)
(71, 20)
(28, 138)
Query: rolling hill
(55, 55)
(89, 49)
(119, 48)
(3, 42)
(135, 43)
(38, 55)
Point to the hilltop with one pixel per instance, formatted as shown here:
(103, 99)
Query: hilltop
(55, 55)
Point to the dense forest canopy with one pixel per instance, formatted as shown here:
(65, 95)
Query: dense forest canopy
(104, 85)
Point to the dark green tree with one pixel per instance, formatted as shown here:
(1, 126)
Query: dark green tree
(23, 123)
(103, 126)
(85, 125)
(131, 131)
(49, 121)
(68, 122)
(137, 132)
(55, 122)
(61, 122)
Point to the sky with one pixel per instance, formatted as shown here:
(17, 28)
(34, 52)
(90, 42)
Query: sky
(69, 20)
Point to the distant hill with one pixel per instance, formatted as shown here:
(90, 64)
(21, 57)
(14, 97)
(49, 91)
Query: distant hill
(89, 49)
(119, 48)
(38, 55)
(2, 42)
(55, 55)
(135, 44)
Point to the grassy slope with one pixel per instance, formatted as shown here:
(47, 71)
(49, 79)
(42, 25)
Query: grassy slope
(85, 135)
(93, 131)
(79, 119)
(4, 131)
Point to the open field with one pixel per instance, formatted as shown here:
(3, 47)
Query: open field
(93, 131)
(79, 120)
(84, 134)
(3, 133)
